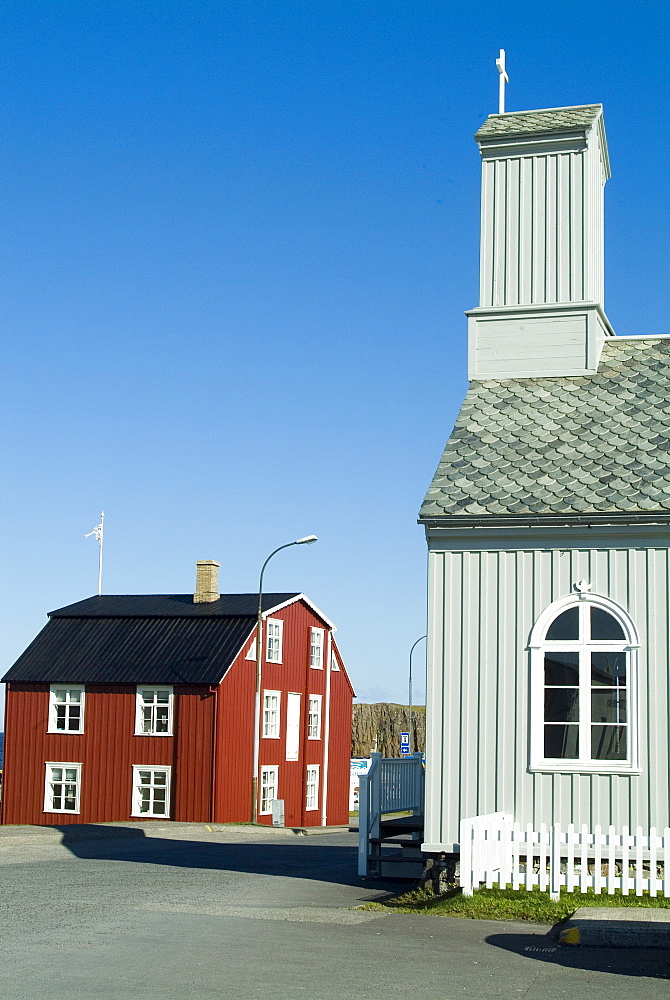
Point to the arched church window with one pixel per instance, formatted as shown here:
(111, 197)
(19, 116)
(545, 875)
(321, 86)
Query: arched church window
(583, 687)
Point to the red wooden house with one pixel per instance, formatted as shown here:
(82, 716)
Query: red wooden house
(139, 707)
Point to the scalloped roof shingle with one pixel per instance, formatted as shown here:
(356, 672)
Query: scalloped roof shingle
(595, 443)
(549, 120)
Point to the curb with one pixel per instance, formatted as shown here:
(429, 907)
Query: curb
(618, 927)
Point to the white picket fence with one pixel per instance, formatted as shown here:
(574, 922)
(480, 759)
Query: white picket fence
(494, 850)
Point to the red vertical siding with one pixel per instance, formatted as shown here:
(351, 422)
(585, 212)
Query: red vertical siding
(192, 766)
(235, 743)
(341, 697)
(107, 751)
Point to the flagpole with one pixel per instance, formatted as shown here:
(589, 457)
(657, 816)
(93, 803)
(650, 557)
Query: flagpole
(102, 532)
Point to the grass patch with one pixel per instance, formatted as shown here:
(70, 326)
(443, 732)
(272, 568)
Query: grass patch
(508, 904)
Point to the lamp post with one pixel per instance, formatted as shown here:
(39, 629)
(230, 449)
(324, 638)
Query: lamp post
(410, 688)
(307, 540)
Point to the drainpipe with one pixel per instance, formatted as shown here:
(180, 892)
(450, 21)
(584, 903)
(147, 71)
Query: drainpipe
(326, 733)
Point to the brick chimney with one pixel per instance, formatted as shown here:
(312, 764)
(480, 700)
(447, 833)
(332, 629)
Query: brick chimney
(206, 582)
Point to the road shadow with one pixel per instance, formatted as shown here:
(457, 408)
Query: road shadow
(652, 963)
(298, 857)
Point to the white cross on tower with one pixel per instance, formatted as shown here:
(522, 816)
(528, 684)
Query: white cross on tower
(500, 63)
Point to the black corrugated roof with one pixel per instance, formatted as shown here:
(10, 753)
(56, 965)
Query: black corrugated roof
(169, 606)
(141, 639)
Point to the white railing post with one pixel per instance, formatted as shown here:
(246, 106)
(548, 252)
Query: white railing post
(363, 824)
(639, 843)
(555, 862)
(625, 863)
(611, 860)
(466, 860)
(597, 860)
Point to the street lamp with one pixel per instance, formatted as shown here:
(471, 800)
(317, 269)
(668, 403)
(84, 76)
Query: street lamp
(410, 688)
(307, 540)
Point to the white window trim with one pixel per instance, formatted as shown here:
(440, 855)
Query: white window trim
(48, 798)
(537, 646)
(264, 781)
(51, 725)
(251, 652)
(317, 769)
(277, 735)
(318, 698)
(280, 623)
(139, 704)
(316, 633)
(334, 665)
(135, 804)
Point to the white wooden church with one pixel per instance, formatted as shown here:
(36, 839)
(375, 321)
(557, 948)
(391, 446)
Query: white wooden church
(548, 519)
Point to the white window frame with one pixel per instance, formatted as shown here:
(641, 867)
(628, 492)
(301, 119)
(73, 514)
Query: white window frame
(54, 702)
(49, 783)
(334, 664)
(274, 635)
(269, 781)
(538, 645)
(314, 717)
(271, 715)
(312, 787)
(251, 652)
(136, 807)
(140, 706)
(316, 648)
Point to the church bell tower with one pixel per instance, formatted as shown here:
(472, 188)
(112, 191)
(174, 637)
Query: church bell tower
(541, 307)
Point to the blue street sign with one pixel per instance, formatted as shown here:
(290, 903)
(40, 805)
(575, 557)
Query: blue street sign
(404, 743)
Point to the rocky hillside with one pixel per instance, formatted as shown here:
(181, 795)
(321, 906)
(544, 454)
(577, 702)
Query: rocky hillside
(385, 722)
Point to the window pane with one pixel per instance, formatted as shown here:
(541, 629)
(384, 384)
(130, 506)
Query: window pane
(75, 696)
(161, 720)
(561, 742)
(159, 778)
(60, 716)
(70, 773)
(145, 777)
(56, 773)
(608, 668)
(74, 716)
(561, 668)
(566, 626)
(604, 626)
(561, 705)
(609, 742)
(163, 697)
(608, 705)
(61, 694)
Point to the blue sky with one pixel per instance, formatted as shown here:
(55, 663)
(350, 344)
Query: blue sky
(238, 239)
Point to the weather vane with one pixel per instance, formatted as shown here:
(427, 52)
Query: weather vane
(500, 63)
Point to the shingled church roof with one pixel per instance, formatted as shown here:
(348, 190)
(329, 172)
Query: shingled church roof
(545, 120)
(597, 443)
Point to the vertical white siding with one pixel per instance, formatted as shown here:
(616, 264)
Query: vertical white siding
(482, 607)
(542, 229)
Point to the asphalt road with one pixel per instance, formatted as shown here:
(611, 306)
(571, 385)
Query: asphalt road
(240, 916)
